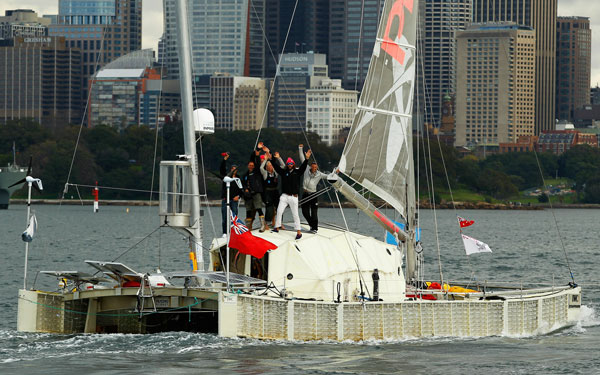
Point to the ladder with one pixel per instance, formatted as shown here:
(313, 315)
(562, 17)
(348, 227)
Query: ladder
(144, 292)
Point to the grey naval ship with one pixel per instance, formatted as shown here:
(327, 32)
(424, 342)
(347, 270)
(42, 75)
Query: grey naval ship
(8, 176)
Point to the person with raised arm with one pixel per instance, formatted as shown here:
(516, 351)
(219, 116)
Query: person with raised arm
(290, 188)
(310, 200)
(271, 185)
(253, 190)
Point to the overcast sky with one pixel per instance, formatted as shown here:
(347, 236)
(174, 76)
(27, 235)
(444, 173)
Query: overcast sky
(152, 20)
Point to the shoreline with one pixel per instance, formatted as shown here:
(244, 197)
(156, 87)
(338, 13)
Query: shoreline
(422, 205)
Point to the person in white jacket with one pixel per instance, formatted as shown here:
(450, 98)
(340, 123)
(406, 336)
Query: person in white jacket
(310, 200)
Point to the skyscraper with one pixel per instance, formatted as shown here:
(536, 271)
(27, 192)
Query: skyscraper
(103, 30)
(573, 65)
(297, 72)
(495, 84)
(278, 21)
(39, 77)
(439, 21)
(541, 16)
(238, 103)
(352, 32)
(329, 109)
(316, 25)
(226, 37)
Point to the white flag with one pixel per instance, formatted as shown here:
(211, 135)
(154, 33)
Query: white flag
(473, 246)
(27, 236)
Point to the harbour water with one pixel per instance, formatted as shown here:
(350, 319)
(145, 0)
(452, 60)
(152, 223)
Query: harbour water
(526, 249)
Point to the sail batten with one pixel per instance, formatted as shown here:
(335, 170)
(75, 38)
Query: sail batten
(406, 46)
(378, 152)
(383, 111)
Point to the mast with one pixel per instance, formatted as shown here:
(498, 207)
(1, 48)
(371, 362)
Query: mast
(189, 136)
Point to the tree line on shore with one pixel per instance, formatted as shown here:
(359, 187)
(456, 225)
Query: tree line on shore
(128, 160)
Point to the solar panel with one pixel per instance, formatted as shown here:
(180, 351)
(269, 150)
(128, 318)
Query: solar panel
(219, 277)
(76, 276)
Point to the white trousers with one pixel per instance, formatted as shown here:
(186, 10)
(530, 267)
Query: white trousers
(284, 201)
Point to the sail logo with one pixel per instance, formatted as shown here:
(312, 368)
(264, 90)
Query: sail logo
(395, 28)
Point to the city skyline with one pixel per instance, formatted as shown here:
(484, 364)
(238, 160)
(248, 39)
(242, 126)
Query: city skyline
(152, 21)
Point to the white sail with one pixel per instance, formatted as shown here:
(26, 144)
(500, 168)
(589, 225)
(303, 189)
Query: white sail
(378, 151)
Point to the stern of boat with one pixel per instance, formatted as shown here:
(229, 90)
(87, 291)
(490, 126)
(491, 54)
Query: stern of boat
(574, 304)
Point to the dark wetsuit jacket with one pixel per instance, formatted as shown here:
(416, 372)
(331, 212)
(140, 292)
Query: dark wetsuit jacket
(291, 180)
(234, 190)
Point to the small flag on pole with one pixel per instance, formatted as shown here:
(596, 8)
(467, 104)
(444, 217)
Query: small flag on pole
(464, 222)
(473, 246)
(27, 236)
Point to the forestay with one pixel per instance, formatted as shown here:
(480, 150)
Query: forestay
(378, 152)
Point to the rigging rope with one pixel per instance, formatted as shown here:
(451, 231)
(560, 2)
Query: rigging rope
(560, 237)
(278, 62)
(83, 117)
(352, 248)
(430, 179)
(162, 66)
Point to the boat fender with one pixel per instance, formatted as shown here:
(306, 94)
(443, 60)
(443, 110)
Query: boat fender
(375, 277)
(339, 289)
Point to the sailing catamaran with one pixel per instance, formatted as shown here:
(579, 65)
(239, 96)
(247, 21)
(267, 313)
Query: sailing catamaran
(334, 284)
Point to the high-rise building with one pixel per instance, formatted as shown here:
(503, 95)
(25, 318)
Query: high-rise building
(438, 22)
(40, 78)
(278, 16)
(224, 34)
(256, 38)
(495, 96)
(129, 91)
(352, 32)
(297, 72)
(309, 31)
(329, 109)
(316, 26)
(249, 106)
(595, 95)
(161, 51)
(573, 65)
(201, 91)
(22, 22)
(226, 91)
(103, 30)
(541, 16)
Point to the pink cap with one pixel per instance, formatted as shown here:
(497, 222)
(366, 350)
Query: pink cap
(290, 160)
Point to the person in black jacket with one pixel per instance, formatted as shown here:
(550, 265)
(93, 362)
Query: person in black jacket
(291, 181)
(234, 192)
(271, 184)
(253, 190)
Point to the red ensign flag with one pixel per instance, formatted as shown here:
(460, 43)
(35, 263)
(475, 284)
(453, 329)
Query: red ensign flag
(242, 239)
(464, 222)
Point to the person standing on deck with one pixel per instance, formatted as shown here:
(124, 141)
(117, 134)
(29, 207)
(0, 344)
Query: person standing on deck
(253, 191)
(234, 192)
(271, 185)
(290, 187)
(310, 200)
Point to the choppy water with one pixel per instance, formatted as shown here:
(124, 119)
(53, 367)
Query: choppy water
(525, 244)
